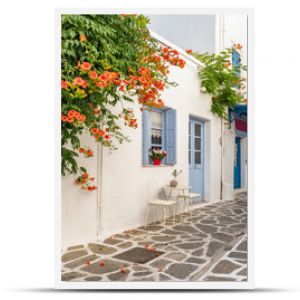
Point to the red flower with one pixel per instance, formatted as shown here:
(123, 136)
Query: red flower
(89, 153)
(103, 77)
(94, 130)
(101, 132)
(107, 136)
(121, 88)
(79, 81)
(81, 150)
(93, 75)
(189, 51)
(101, 263)
(71, 113)
(64, 84)
(82, 118)
(64, 118)
(82, 38)
(77, 115)
(85, 66)
(101, 84)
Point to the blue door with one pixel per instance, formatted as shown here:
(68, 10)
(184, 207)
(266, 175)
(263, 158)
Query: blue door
(196, 157)
(237, 163)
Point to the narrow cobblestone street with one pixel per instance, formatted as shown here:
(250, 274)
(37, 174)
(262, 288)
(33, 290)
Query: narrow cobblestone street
(210, 245)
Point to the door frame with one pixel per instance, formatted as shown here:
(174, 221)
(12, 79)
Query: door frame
(203, 149)
(238, 158)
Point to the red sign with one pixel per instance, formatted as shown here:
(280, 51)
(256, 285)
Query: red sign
(241, 125)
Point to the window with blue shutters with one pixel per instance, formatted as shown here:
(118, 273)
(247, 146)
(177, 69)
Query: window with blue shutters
(159, 131)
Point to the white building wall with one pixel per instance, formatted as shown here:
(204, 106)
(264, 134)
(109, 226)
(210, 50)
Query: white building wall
(79, 207)
(244, 162)
(228, 162)
(127, 185)
(232, 29)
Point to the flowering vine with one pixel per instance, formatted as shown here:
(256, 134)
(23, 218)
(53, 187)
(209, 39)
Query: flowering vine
(108, 62)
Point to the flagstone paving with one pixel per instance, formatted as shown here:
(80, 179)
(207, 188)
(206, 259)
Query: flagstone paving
(209, 245)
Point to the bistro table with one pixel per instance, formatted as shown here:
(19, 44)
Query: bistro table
(169, 190)
(181, 193)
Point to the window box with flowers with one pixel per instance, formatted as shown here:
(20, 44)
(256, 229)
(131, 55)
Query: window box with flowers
(157, 155)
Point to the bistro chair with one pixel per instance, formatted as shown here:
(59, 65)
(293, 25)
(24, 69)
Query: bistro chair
(159, 204)
(187, 196)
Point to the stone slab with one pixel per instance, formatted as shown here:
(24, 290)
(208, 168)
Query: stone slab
(101, 249)
(138, 255)
(68, 256)
(181, 270)
(225, 267)
(81, 261)
(71, 275)
(107, 267)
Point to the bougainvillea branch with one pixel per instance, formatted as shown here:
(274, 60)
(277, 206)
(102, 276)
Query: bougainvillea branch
(107, 63)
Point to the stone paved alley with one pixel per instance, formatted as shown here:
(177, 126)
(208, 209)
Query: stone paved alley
(210, 245)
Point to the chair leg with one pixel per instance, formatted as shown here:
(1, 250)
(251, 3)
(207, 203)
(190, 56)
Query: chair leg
(164, 218)
(184, 205)
(170, 209)
(147, 215)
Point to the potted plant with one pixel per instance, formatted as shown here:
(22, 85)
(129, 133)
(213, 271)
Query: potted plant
(157, 155)
(175, 174)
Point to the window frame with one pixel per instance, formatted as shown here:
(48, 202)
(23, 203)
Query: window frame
(166, 113)
(163, 128)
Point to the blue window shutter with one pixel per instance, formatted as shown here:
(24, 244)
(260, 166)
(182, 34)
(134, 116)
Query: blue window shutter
(146, 136)
(171, 136)
(236, 61)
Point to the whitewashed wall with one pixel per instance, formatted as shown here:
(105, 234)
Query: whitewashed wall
(232, 29)
(126, 184)
(244, 162)
(79, 207)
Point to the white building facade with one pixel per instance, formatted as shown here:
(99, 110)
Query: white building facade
(197, 142)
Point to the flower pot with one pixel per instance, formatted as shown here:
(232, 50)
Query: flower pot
(173, 183)
(156, 162)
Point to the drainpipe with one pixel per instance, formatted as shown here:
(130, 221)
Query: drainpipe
(99, 188)
(221, 48)
(221, 143)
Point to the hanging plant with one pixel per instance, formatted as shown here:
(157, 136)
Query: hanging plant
(107, 63)
(221, 80)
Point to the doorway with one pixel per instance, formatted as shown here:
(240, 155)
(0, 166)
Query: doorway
(196, 157)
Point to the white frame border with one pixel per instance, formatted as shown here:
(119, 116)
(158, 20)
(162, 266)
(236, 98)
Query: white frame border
(196, 285)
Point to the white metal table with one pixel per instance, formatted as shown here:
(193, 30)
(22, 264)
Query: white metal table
(184, 189)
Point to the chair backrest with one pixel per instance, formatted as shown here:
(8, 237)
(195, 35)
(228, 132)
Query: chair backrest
(154, 190)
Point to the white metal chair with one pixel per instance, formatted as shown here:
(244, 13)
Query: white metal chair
(187, 196)
(159, 203)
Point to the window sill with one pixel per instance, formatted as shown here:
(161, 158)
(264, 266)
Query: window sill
(157, 166)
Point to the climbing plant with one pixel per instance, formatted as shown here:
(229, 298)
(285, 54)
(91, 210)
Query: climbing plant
(108, 62)
(221, 80)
